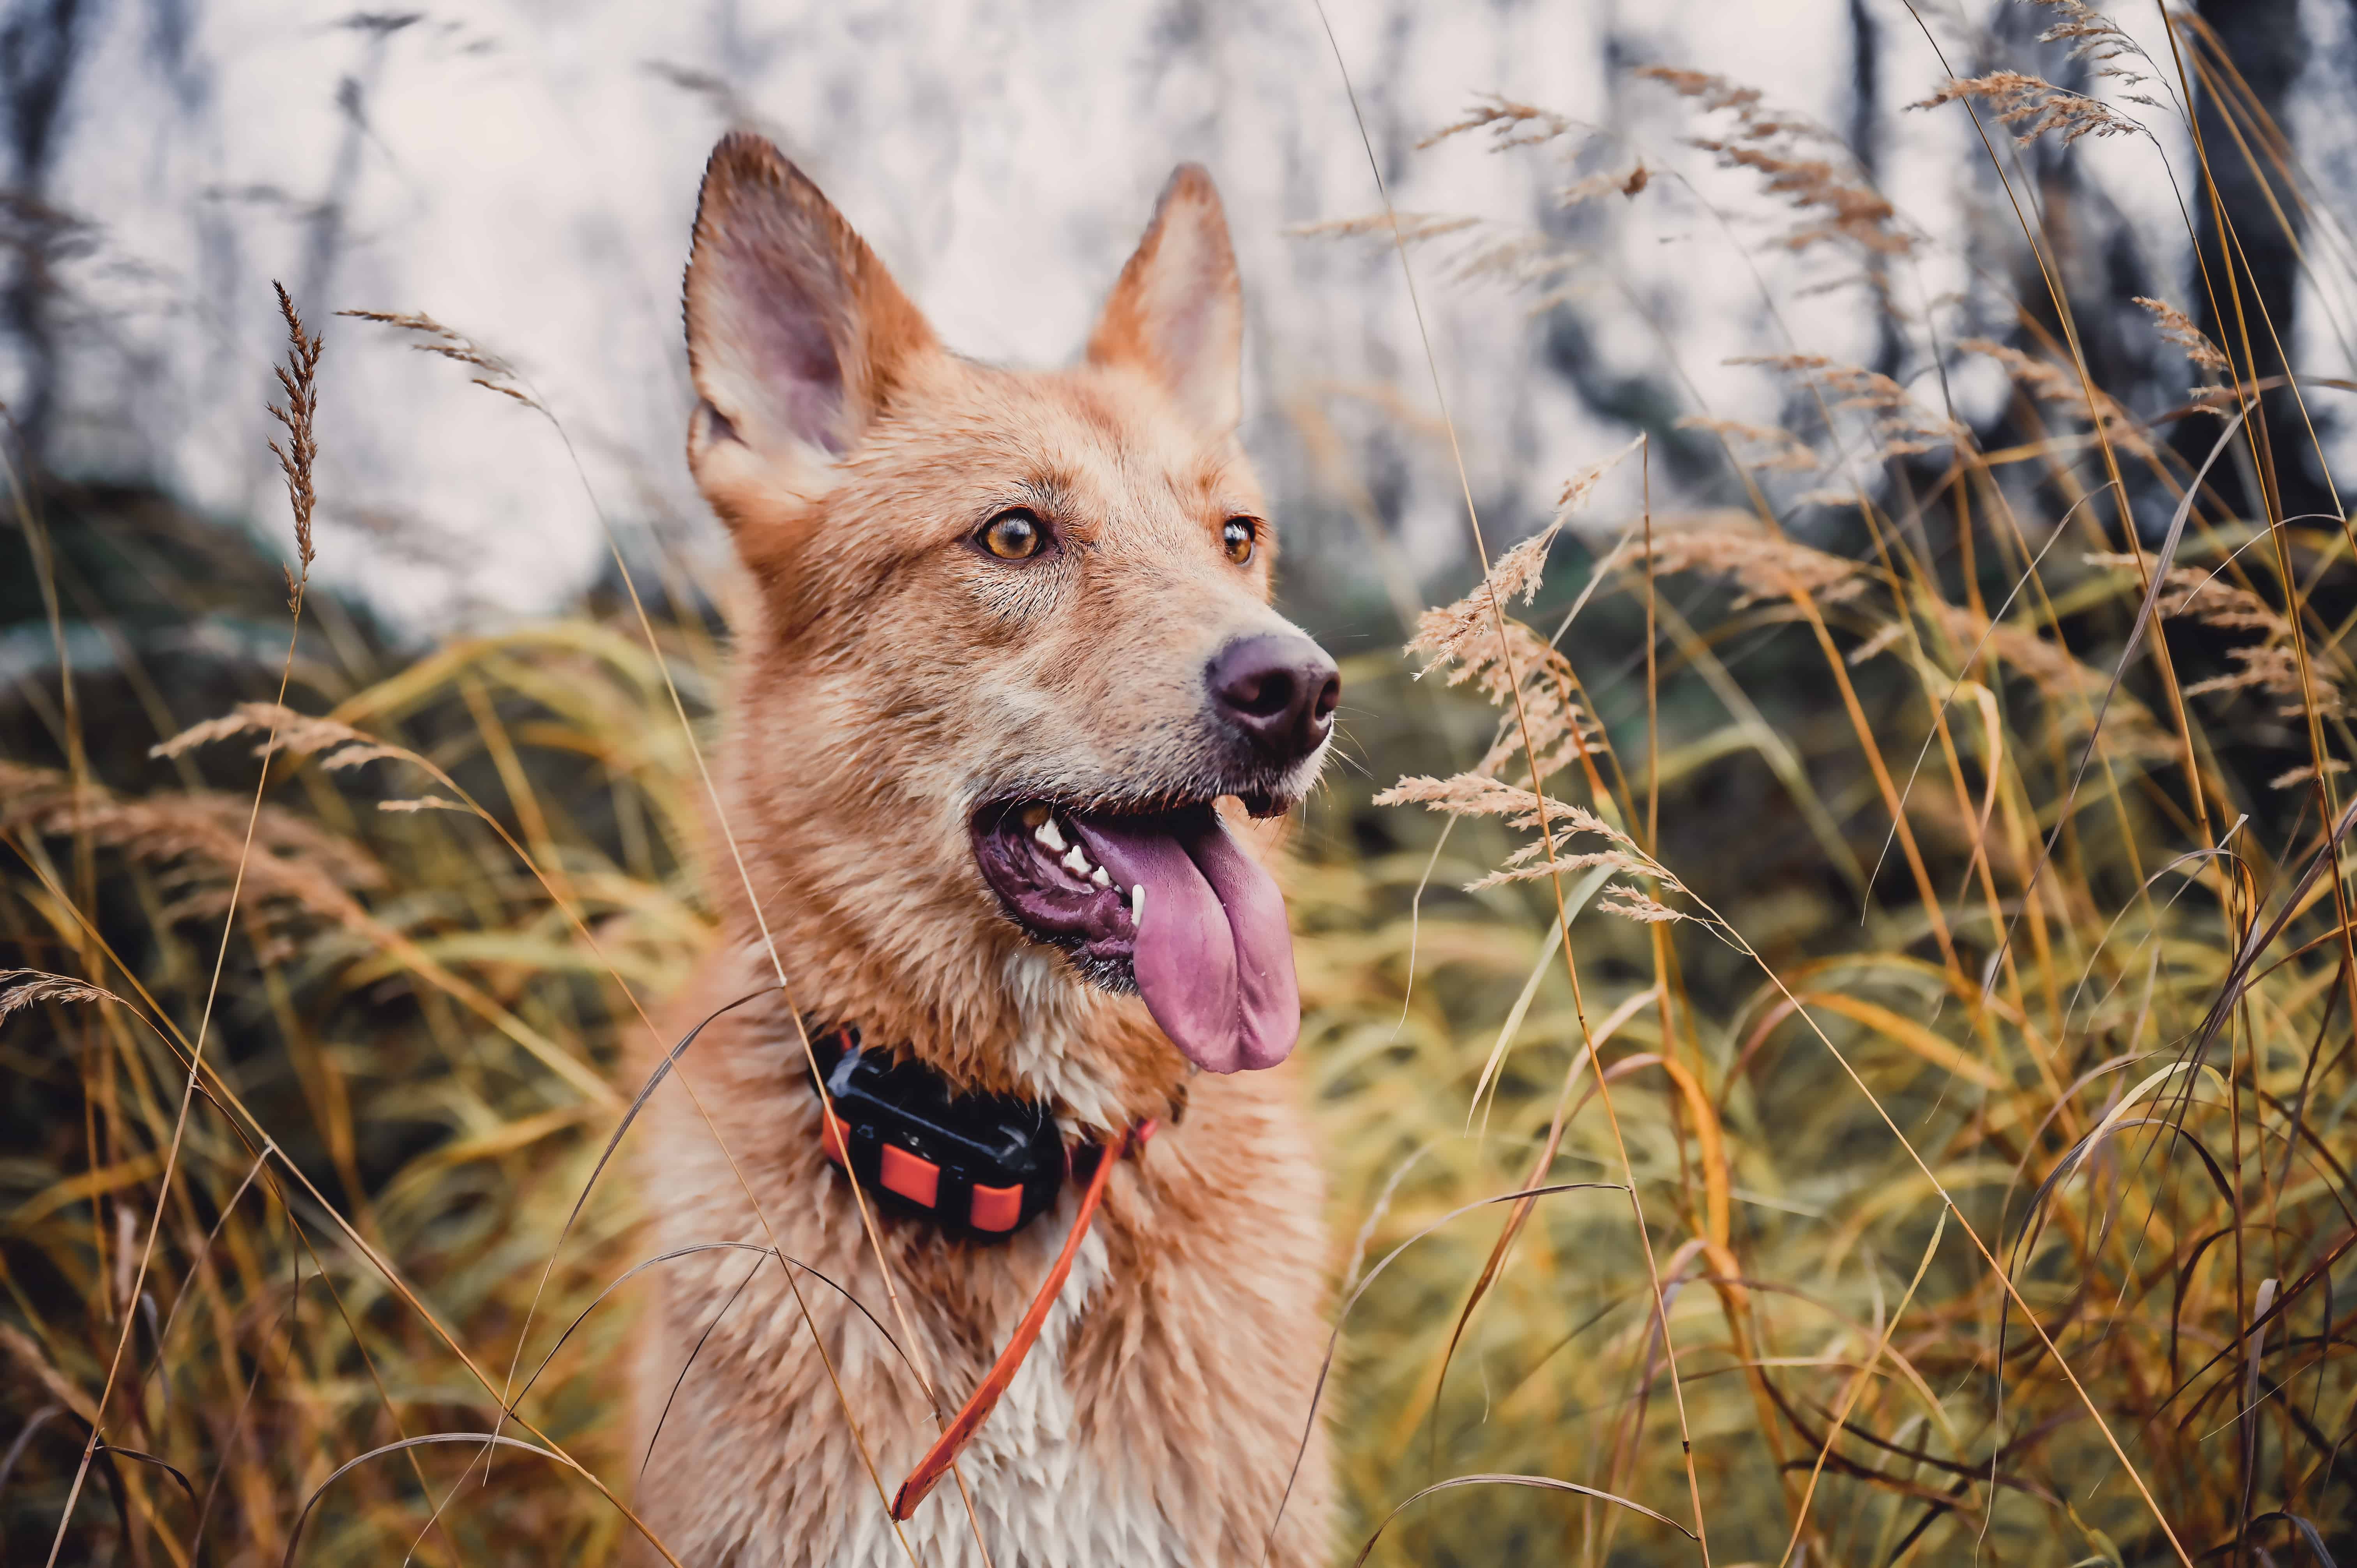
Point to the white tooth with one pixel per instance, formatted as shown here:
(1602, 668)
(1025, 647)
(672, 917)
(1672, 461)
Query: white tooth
(1076, 862)
(1137, 905)
(1047, 834)
(1100, 878)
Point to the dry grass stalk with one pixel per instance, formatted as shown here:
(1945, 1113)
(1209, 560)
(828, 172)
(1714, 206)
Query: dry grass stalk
(1898, 425)
(423, 804)
(1775, 449)
(283, 729)
(26, 987)
(1554, 853)
(1473, 639)
(1631, 904)
(1411, 227)
(497, 374)
(2306, 773)
(2097, 39)
(1801, 162)
(298, 378)
(195, 842)
(2185, 335)
(1766, 566)
(2271, 666)
(2073, 692)
(2061, 385)
(1604, 184)
(2035, 106)
(1510, 123)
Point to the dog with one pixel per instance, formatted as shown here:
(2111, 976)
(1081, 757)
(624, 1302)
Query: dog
(1012, 730)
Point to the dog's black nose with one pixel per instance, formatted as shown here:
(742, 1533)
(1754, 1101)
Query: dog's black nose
(1278, 689)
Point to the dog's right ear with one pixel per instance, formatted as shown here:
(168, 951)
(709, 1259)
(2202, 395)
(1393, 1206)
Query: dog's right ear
(797, 338)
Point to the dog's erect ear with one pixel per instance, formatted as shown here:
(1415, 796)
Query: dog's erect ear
(797, 337)
(1178, 312)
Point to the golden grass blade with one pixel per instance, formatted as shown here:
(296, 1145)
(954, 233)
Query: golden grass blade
(2164, 558)
(1548, 1483)
(1341, 1316)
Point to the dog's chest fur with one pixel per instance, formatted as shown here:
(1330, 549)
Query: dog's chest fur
(1157, 1421)
(1040, 1495)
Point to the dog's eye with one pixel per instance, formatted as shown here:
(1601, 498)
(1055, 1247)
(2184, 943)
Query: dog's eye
(1014, 535)
(1237, 536)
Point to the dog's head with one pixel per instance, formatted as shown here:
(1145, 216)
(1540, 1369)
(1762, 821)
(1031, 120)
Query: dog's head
(1012, 645)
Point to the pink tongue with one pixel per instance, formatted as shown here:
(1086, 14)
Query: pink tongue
(1214, 957)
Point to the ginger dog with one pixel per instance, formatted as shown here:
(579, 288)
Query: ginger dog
(1011, 722)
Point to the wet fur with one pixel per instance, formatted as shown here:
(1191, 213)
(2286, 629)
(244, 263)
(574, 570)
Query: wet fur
(890, 679)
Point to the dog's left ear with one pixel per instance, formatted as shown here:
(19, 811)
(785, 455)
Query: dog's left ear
(1178, 312)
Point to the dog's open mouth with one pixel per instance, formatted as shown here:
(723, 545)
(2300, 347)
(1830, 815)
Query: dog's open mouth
(1165, 901)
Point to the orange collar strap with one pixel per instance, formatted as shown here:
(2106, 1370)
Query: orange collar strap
(986, 1394)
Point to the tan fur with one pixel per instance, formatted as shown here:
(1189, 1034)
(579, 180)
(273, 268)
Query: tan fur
(890, 679)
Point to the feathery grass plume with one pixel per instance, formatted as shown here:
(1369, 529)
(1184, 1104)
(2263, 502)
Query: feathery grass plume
(1453, 633)
(1479, 795)
(1837, 205)
(1900, 425)
(2185, 335)
(1412, 227)
(2073, 692)
(2206, 597)
(283, 729)
(2035, 106)
(1464, 640)
(1766, 566)
(2060, 385)
(1796, 159)
(26, 987)
(1885, 638)
(1473, 639)
(1514, 254)
(2273, 668)
(2292, 778)
(2270, 665)
(2097, 39)
(1582, 484)
(1511, 124)
(497, 374)
(1606, 183)
(1554, 851)
(195, 842)
(1618, 898)
(1774, 448)
(299, 379)
(423, 804)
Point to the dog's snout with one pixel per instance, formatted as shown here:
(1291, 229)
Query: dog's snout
(1278, 690)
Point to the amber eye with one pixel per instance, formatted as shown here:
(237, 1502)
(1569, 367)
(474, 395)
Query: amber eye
(1237, 536)
(1014, 535)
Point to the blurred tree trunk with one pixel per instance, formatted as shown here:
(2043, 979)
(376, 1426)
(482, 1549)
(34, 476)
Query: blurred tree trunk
(1866, 132)
(38, 43)
(2252, 266)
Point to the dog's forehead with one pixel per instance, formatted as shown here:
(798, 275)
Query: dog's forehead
(1108, 447)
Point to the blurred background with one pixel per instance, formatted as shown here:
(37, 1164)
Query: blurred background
(526, 175)
(1968, 865)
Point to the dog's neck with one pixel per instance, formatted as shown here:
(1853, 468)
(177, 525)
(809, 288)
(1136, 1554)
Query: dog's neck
(1095, 1060)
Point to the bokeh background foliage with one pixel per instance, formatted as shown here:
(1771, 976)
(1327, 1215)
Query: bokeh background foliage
(1940, 930)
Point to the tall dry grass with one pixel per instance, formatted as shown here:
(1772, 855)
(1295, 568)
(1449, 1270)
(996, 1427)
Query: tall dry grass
(1894, 938)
